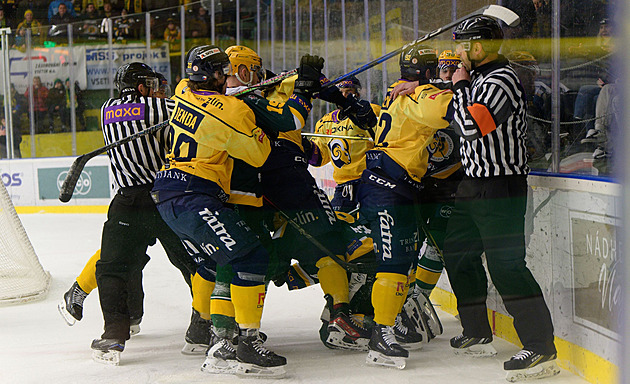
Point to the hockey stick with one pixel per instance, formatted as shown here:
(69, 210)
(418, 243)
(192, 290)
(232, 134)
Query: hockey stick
(496, 11)
(70, 182)
(336, 137)
(262, 84)
(350, 267)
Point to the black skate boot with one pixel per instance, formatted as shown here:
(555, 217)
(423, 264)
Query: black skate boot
(345, 332)
(405, 335)
(527, 365)
(221, 357)
(197, 335)
(71, 308)
(473, 346)
(384, 349)
(107, 351)
(256, 360)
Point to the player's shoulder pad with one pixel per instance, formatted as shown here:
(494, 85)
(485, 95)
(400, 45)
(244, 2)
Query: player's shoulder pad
(431, 92)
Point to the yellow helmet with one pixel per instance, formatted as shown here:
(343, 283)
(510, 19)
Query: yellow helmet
(523, 59)
(448, 58)
(241, 55)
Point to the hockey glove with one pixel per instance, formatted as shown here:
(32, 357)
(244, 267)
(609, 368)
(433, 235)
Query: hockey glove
(360, 112)
(313, 155)
(309, 73)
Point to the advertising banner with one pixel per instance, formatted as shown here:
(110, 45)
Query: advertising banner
(49, 64)
(93, 183)
(596, 273)
(17, 177)
(97, 61)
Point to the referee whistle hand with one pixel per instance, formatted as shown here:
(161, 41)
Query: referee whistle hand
(460, 74)
(403, 89)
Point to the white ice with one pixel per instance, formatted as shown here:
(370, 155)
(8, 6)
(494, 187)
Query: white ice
(36, 345)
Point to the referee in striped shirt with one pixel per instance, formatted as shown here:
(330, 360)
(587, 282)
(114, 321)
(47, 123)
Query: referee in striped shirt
(490, 110)
(133, 222)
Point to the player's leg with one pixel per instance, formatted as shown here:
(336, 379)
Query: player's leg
(394, 232)
(71, 308)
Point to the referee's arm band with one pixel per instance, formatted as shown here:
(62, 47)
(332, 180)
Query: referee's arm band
(482, 116)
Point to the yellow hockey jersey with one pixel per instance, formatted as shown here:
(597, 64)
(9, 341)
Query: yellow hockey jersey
(208, 128)
(406, 126)
(346, 155)
(281, 94)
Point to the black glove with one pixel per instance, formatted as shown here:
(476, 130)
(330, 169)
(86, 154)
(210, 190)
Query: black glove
(360, 112)
(309, 73)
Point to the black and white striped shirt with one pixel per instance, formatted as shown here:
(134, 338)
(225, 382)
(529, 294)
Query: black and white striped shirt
(490, 118)
(135, 163)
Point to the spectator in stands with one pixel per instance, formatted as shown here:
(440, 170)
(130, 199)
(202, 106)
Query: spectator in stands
(57, 105)
(197, 24)
(607, 109)
(18, 106)
(58, 28)
(79, 104)
(542, 25)
(124, 26)
(135, 6)
(91, 20)
(30, 23)
(4, 22)
(108, 11)
(172, 34)
(10, 11)
(17, 139)
(40, 94)
(53, 9)
(38, 7)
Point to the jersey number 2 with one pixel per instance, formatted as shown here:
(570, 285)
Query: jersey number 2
(385, 125)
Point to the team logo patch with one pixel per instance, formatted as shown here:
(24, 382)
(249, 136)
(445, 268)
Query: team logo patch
(123, 112)
(186, 118)
(339, 152)
(441, 148)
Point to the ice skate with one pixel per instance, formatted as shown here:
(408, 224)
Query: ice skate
(527, 365)
(346, 333)
(423, 316)
(221, 357)
(407, 337)
(107, 351)
(134, 326)
(71, 308)
(385, 350)
(197, 335)
(254, 359)
(473, 346)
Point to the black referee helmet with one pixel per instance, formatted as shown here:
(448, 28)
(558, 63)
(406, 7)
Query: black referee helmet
(129, 76)
(484, 29)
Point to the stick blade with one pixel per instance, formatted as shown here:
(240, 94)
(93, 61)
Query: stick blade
(70, 182)
(504, 14)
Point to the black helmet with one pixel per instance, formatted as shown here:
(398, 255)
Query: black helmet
(203, 61)
(415, 61)
(350, 82)
(479, 28)
(129, 76)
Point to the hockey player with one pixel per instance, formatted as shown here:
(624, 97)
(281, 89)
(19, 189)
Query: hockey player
(191, 191)
(347, 155)
(490, 117)
(394, 169)
(133, 223)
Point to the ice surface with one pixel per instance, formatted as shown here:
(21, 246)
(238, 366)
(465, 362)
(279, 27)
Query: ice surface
(36, 345)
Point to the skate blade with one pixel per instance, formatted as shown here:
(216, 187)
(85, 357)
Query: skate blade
(411, 346)
(252, 370)
(542, 370)
(219, 366)
(477, 350)
(68, 318)
(339, 340)
(414, 312)
(194, 349)
(106, 357)
(377, 358)
(433, 320)
(134, 329)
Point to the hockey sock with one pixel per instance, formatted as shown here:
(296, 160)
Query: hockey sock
(388, 297)
(87, 277)
(333, 279)
(248, 304)
(202, 291)
(429, 269)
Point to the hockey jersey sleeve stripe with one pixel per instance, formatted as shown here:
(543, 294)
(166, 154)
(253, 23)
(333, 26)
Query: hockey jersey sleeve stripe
(483, 118)
(298, 118)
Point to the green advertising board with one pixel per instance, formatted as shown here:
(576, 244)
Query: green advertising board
(93, 183)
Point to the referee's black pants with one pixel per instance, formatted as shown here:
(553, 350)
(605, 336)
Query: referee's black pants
(133, 224)
(488, 217)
